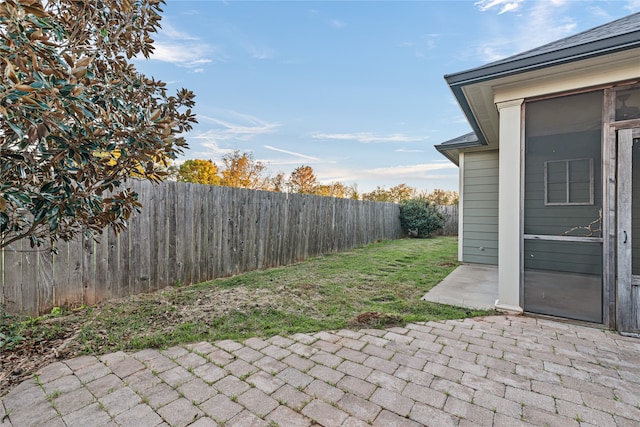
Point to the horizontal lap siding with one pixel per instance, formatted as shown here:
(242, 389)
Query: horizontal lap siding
(480, 207)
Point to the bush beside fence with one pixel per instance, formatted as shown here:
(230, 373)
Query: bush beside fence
(189, 233)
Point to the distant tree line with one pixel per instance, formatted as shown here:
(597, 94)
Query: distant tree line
(241, 170)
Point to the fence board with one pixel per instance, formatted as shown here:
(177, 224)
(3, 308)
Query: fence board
(172, 238)
(104, 290)
(12, 277)
(214, 221)
(74, 291)
(142, 252)
(190, 233)
(114, 270)
(196, 206)
(451, 223)
(29, 278)
(204, 234)
(155, 235)
(89, 271)
(181, 233)
(61, 273)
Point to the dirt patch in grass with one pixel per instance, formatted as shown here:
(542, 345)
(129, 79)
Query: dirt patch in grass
(375, 320)
(375, 286)
(447, 264)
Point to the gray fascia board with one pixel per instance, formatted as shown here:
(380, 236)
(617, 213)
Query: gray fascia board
(445, 149)
(458, 146)
(562, 56)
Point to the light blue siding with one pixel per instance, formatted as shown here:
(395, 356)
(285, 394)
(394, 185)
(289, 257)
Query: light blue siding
(480, 207)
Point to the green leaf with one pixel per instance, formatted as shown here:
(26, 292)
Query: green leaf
(66, 89)
(4, 222)
(19, 199)
(53, 223)
(15, 129)
(39, 215)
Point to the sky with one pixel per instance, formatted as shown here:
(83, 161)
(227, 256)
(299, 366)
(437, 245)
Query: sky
(354, 89)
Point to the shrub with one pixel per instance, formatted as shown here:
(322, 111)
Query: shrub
(420, 217)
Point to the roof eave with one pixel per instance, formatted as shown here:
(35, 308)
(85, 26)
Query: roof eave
(562, 56)
(458, 146)
(489, 72)
(447, 149)
(449, 155)
(471, 118)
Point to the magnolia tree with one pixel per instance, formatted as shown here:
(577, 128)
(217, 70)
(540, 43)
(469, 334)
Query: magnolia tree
(77, 119)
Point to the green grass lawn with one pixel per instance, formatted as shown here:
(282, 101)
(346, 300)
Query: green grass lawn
(377, 285)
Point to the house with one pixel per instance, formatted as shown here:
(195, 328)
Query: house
(550, 175)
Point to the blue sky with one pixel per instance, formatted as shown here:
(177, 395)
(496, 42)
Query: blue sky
(353, 89)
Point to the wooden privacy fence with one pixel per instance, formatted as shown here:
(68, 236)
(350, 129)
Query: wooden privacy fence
(189, 233)
(451, 223)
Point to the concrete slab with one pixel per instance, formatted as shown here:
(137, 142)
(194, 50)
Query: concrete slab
(469, 285)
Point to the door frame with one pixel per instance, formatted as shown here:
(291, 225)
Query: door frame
(610, 128)
(611, 317)
(627, 301)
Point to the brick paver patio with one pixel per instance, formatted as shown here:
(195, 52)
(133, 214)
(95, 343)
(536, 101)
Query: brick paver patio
(490, 371)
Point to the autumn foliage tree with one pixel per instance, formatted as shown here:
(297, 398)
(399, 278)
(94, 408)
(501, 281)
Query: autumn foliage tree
(303, 180)
(241, 170)
(443, 197)
(335, 189)
(394, 194)
(199, 172)
(69, 101)
(276, 183)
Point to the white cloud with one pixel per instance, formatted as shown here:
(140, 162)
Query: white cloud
(503, 5)
(545, 22)
(633, 5)
(292, 153)
(233, 127)
(599, 12)
(183, 49)
(260, 52)
(170, 32)
(213, 150)
(181, 55)
(404, 150)
(366, 137)
(490, 52)
(410, 174)
(410, 171)
(337, 23)
(245, 127)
